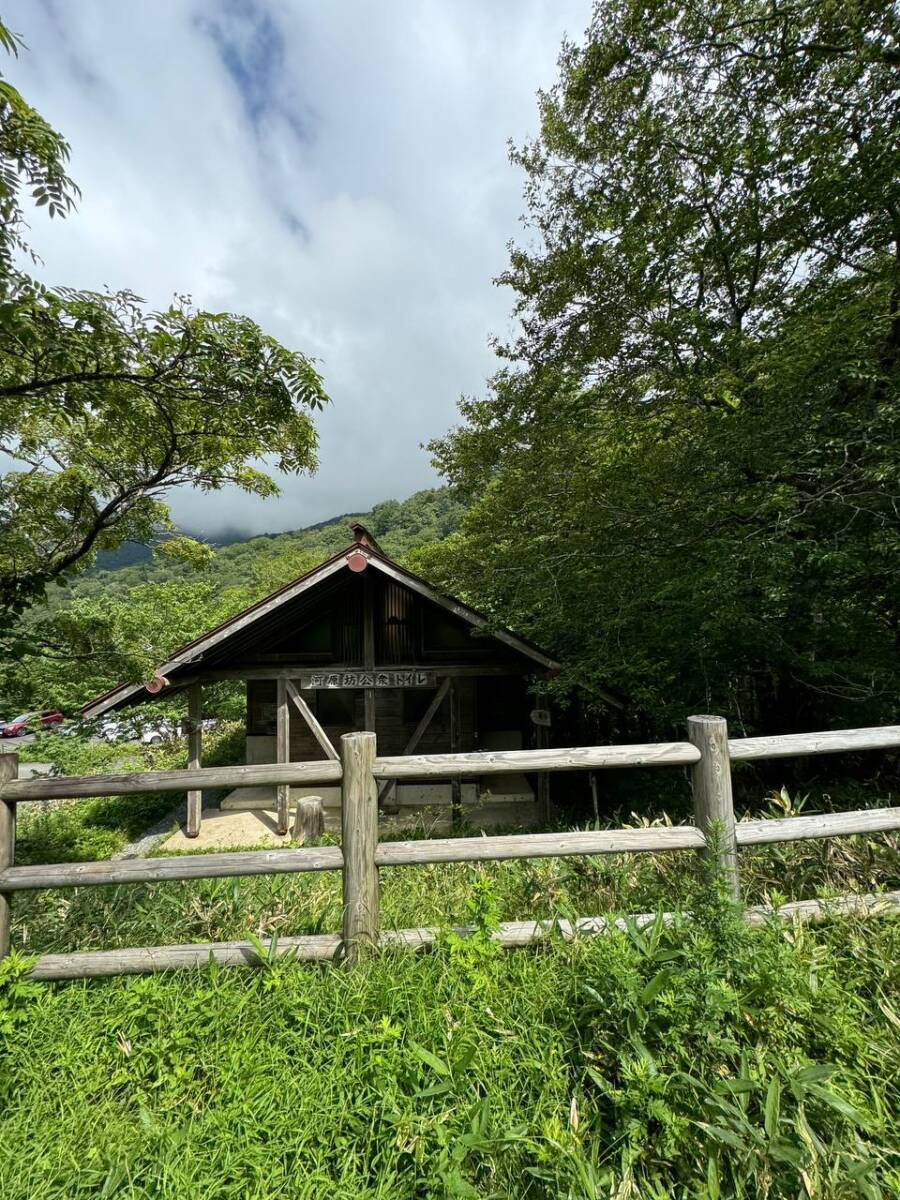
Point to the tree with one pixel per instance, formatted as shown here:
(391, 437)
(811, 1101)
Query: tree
(687, 477)
(91, 644)
(105, 406)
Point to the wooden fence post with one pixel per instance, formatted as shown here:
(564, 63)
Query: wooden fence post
(359, 837)
(711, 785)
(9, 769)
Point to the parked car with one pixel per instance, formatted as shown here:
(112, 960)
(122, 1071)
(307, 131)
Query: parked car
(119, 731)
(33, 722)
(150, 735)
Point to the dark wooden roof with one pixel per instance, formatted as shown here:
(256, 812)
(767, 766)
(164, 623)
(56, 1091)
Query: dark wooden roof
(261, 621)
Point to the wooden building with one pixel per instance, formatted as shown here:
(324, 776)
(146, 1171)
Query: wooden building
(360, 642)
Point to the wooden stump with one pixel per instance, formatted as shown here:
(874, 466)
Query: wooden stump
(309, 820)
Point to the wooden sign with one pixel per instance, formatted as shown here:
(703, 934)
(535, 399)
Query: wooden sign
(314, 680)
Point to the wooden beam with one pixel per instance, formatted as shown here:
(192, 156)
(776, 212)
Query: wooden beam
(181, 866)
(293, 670)
(195, 752)
(542, 742)
(501, 847)
(594, 797)
(282, 755)
(428, 716)
(309, 717)
(437, 850)
(816, 825)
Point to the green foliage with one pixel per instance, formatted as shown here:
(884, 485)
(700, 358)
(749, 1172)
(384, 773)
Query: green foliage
(120, 624)
(90, 644)
(709, 1058)
(688, 1060)
(685, 480)
(104, 406)
(260, 564)
(79, 831)
(32, 155)
(470, 950)
(18, 993)
(650, 1063)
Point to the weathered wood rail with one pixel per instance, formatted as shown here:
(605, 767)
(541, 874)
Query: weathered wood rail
(708, 753)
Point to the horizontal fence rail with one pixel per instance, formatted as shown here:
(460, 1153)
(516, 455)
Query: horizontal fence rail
(833, 741)
(819, 825)
(159, 870)
(72, 787)
(708, 752)
(503, 762)
(322, 947)
(421, 852)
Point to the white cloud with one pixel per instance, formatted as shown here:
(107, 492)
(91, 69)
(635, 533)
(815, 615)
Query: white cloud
(338, 171)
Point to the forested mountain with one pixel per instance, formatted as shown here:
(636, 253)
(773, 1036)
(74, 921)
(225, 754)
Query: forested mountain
(270, 559)
(111, 625)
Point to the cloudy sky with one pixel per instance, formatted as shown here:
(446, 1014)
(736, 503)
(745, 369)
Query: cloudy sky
(337, 170)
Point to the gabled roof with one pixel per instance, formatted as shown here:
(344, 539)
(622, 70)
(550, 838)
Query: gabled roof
(364, 546)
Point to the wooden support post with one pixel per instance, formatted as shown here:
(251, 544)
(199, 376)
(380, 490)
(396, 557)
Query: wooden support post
(195, 739)
(595, 799)
(368, 650)
(713, 803)
(542, 741)
(309, 820)
(455, 782)
(282, 755)
(9, 769)
(359, 838)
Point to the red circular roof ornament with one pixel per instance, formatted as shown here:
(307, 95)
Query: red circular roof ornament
(156, 684)
(357, 561)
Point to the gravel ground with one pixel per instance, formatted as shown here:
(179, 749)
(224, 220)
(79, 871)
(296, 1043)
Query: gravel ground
(150, 840)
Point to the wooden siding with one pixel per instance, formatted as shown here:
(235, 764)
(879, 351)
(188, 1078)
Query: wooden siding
(397, 624)
(408, 630)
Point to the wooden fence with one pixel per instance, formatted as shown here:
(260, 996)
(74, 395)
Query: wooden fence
(708, 752)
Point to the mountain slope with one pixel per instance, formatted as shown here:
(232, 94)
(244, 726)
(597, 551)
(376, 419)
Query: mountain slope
(400, 526)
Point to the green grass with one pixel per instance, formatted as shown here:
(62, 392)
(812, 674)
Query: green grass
(437, 894)
(98, 828)
(703, 1061)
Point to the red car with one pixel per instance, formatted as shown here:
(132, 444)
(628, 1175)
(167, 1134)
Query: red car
(32, 722)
